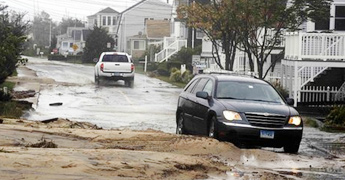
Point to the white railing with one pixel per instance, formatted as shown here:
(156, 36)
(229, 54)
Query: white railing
(341, 93)
(170, 50)
(318, 94)
(307, 74)
(324, 46)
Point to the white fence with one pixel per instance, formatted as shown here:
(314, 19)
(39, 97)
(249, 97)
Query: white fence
(319, 95)
(322, 46)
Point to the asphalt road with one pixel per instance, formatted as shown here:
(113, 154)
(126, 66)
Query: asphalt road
(150, 104)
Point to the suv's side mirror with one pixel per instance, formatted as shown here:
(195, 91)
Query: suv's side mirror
(202, 94)
(95, 60)
(290, 101)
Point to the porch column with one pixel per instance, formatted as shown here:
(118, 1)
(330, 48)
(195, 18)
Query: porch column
(299, 47)
(332, 19)
(296, 86)
(291, 72)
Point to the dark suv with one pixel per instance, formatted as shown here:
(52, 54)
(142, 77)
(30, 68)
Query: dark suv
(242, 110)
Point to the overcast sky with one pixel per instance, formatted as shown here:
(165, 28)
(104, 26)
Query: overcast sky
(58, 9)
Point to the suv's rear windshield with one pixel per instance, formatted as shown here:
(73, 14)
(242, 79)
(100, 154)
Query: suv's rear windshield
(247, 91)
(114, 58)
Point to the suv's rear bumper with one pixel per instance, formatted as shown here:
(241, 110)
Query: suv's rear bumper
(250, 135)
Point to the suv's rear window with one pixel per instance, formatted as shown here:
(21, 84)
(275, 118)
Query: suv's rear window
(114, 58)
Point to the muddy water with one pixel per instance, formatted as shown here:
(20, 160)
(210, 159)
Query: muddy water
(151, 104)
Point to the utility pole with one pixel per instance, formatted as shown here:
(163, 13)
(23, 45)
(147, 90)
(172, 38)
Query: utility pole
(50, 34)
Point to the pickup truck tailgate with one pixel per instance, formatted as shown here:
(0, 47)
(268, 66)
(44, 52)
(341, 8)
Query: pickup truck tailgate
(116, 63)
(117, 67)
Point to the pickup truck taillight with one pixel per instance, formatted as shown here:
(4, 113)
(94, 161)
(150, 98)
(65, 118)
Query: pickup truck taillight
(102, 67)
(132, 67)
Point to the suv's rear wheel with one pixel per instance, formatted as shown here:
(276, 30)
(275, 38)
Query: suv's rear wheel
(179, 125)
(291, 147)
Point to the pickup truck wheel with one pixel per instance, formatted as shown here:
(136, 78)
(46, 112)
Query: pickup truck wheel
(127, 83)
(131, 83)
(96, 79)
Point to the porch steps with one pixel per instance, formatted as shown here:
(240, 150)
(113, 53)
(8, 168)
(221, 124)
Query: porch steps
(170, 50)
(333, 77)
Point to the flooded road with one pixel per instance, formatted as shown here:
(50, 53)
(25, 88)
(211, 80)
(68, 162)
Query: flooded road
(150, 104)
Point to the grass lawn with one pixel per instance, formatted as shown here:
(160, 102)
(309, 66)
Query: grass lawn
(139, 70)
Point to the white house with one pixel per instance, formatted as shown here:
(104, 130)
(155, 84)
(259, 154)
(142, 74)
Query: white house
(133, 19)
(73, 41)
(108, 19)
(313, 66)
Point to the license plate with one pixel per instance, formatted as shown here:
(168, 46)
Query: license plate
(267, 134)
(115, 74)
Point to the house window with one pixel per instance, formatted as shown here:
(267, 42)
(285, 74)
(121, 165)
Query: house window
(109, 20)
(95, 22)
(340, 18)
(139, 45)
(114, 20)
(104, 20)
(64, 45)
(199, 34)
(322, 24)
(77, 35)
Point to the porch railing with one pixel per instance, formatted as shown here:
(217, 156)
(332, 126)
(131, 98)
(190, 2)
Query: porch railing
(170, 48)
(323, 46)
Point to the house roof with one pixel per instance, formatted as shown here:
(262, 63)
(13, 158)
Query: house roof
(157, 28)
(107, 10)
(142, 1)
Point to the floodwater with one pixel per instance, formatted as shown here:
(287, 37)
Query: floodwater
(150, 104)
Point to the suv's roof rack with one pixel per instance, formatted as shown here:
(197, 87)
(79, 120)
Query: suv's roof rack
(221, 71)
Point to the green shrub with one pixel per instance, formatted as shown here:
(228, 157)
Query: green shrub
(176, 76)
(74, 57)
(174, 69)
(13, 109)
(187, 76)
(280, 89)
(56, 57)
(163, 69)
(310, 122)
(336, 117)
(152, 66)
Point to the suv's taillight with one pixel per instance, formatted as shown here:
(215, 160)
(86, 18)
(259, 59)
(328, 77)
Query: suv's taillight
(132, 67)
(102, 67)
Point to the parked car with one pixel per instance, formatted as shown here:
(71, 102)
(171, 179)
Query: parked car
(115, 66)
(243, 110)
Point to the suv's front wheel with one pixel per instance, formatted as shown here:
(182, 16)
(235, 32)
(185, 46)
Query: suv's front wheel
(212, 132)
(291, 147)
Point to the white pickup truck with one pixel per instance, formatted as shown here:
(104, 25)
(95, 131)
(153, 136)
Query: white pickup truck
(115, 66)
